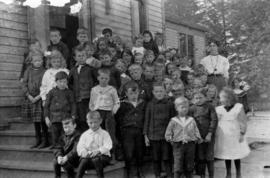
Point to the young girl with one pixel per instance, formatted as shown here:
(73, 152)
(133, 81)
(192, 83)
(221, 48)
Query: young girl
(127, 57)
(230, 139)
(56, 64)
(138, 47)
(241, 88)
(149, 57)
(170, 67)
(149, 43)
(32, 105)
(167, 81)
(102, 44)
(212, 95)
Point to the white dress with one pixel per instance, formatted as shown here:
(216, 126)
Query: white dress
(230, 125)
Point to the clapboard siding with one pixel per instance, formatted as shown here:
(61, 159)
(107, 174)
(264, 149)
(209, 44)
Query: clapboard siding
(155, 19)
(13, 33)
(13, 45)
(9, 75)
(171, 38)
(119, 17)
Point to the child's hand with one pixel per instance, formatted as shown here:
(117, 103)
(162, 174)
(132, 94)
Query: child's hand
(48, 122)
(94, 153)
(146, 140)
(84, 154)
(208, 137)
(200, 141)
(31, 98)
(64, 160)
(43, 103)
(59, 159)
(241, 138)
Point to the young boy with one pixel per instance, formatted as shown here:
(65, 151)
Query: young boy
(82, 80)
(182, 132)
(130, 119)
(106, 62)
(157, 116)
(66, 154)
(206, 119)
(59, 103)
(56, 43)
(94, 147)
(105, 100)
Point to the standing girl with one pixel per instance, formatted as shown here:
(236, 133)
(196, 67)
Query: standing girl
(32, 105)
(149, 43)
(230, 135)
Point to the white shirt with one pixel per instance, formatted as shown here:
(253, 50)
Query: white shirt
(48, 81)
(216, 65)
(138, 50)
(98, 140)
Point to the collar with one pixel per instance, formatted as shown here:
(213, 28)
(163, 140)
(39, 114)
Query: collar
(183, 121)
(90, 131)
(164, 100)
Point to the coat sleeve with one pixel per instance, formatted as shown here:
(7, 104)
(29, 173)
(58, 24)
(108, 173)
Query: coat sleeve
(242, 119)
(196, 131)
(92, 99)
(116, 101)
(59, 148)
(48, 103)
(25, 82)
(44, 86)
(73, 152)
(169, 131)
(147, 119)
(214, 120)
(72, 104)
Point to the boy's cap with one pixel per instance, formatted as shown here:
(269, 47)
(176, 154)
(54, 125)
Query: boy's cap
(61, 75)
(181, 100)
(107, 30)
(81, 31)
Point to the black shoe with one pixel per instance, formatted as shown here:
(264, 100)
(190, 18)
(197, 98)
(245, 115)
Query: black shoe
(36, 145)
(43, 145)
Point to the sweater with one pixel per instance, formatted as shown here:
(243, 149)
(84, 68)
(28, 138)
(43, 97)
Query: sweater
(157, 116)
(59, 104)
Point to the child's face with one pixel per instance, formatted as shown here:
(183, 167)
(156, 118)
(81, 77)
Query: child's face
(107, 35)
(56, 63)
(159, 92)
(170, 68)
(224, 99)
(82, 38)
(168, 84)
(176, 61)
(132, 94)
(105, 59)
(149, 72)
(211, 93)
(173, 52)
(103, 79)
(149, 58)
(35, 46)
(102, 45)
(80, 57)
(113, 51)
(197, 83)
(129, 45)
(37, 61)
(168, 56)
(199, 99)
(135, 72)
(62, 84)
(89, 50)
(121, 67)
(182, 109)
(127, 58)
(190, 79)
(178, 92)
(146, 37)
(203, 79)
(69, 127)
(55, 37)
(139, 42)
(213, 48)
(159, 76)
(94, 123)
(176, 75)
(138, 59)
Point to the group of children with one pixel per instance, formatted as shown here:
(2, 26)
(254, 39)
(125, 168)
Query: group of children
(122, 96)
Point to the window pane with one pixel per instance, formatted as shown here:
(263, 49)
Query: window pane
(182, 45)
(190, 47)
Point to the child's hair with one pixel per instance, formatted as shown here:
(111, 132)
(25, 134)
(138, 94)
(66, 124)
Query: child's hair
(112, 45)
(116, 39)
(100, 40)
(82, 30)
(105, 52)
(167, 67)
(36, 53)
(230, 94)
(149, 52)
(148, 66)
(107, 30)
(131, 84)
(55, 30)
(214, 41)
(91, 45)
(104, 71)
(160, 58)
(158, 84)
(135, 65)
(127, 51)
(61, 75)
(93, 115)
(57, 54)
(68, 119)
(180, 101)
(137, 37)
(178, 71)
(149, 33)
(79, 48)
(200, 92)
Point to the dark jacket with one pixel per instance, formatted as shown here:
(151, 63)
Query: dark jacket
(59, 104)
(151, 45)
(130, 116)
(157, 116)
(68, 146)
(81, 83)
(205, 117)
(32, 80)
(62, 47)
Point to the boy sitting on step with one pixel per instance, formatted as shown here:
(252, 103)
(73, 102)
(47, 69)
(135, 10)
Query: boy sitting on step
(66, 154)
(94, 147)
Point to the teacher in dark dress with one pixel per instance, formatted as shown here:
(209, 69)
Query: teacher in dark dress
(217, 66)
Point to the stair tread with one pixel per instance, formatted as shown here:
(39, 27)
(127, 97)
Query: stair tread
(17, 132)
(44, 166)
(23, 148)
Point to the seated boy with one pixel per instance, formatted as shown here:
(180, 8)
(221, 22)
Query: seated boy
(94, 146)
(65, 153)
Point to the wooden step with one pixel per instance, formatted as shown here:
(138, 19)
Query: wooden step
(28, 169)
(13, 137)
(23, 152)
(21, 126)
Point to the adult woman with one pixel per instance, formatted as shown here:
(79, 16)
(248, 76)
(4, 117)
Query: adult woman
(216, 66)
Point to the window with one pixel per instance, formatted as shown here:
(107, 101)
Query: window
(182, 45)
(190, 42)
(186, 45)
